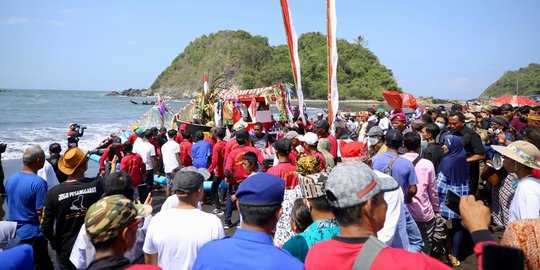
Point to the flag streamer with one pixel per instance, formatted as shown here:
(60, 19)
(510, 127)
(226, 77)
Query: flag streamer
(333, 95)
(292, 40)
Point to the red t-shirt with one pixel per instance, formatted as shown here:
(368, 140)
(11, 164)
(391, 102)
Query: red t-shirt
(333, 145)
(105, 156)
(154, 142)
(320, 157)
(134, 165)
(336, 254)
(287, 172)
(132, 138)
(218, 159)
(292, 156)
(210, 140)
(179, 138)
(185, 152)
(231, 145)
(234, 163)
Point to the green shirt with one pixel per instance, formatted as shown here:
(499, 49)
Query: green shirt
(318, 231)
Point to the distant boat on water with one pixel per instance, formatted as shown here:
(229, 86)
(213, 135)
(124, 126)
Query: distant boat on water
(146, 102)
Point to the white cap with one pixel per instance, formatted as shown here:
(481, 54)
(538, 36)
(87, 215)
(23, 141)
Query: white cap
(309, 138)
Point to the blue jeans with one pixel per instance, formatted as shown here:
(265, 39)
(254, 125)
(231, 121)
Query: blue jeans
(415, 238)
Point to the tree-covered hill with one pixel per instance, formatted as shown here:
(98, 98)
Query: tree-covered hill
(248, 61)
(525, 81)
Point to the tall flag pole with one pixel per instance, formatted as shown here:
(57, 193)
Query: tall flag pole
(205, 84)
(333, 95)
(292, 40)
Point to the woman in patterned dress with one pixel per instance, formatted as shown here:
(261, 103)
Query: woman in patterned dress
(453, 176)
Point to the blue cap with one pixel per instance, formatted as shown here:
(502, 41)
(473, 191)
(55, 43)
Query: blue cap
(261, 189)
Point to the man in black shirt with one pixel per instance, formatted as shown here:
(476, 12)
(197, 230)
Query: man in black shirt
(66, 204)
(260, 139)
(472, 143)
(54, 151)
(433, 151)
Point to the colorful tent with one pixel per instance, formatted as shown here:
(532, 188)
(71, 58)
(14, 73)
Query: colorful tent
(514, 100)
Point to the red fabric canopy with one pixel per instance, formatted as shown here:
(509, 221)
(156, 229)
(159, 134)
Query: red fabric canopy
(514, 100)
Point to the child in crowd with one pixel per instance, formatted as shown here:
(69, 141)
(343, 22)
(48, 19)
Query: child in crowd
(249, 161)
(300, 216)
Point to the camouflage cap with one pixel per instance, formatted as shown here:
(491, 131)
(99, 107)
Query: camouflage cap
(106, 218)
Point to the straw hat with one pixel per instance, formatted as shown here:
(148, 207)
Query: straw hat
(71, 160)
(521, 151)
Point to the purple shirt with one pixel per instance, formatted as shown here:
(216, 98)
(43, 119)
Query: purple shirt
(426, 200)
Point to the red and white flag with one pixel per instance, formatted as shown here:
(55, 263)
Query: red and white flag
(292, 40)
(333, 95)
(205, 84)
(252, 109)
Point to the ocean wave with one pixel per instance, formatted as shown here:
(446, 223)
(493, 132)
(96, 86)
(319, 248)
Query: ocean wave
(25, 137)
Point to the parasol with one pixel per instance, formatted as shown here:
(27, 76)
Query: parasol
(516, 101)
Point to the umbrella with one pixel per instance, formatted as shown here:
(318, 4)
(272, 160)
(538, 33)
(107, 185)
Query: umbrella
(516, 101)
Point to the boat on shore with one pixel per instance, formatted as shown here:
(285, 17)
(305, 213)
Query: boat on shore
(146, 102)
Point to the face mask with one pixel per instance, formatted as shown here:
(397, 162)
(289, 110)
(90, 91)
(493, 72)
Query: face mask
(469, 125)
(497, 131)
(372, 141)
(440, 125)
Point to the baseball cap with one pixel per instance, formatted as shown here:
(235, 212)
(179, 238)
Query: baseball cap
(116, 141)
(380, 110)
(313, 185)
(55, 148)
(239, 125)
(469, 118)
(500, 120)
(309, 138)
(394, 136)
(106, 218)
(283, 146)
(322, 124)
(320, 114)
(375, 131)
(291, 135)
(202, 171)
(187, 182)
(353, 183)
(261, 189)
(398, 117)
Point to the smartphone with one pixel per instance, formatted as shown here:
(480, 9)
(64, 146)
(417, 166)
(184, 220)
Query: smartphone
(143, 192)
(452, 201)
(496, 257)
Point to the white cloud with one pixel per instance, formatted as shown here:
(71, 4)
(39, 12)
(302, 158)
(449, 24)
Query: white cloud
(19, 21)
(13, 21)
(132, 43)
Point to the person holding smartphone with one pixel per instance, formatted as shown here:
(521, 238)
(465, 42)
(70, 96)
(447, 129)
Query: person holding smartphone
(453, 177)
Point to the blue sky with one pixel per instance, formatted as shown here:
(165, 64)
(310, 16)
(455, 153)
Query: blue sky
(449, 49)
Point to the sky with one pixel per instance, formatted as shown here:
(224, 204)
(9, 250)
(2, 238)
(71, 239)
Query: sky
(446, 49)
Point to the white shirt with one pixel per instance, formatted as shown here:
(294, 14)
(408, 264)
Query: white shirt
(47, 173)
(147, 151)
(526, 201)
(384, 124)
(169, 153)
(84, 253)
(394, 231)
(173, 202)
(177, 235)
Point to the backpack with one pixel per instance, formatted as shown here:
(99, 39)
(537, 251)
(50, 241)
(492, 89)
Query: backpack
(368, 253)
(388, 169)
(416, 160)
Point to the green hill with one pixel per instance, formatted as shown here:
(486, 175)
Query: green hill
(248, 61)
(525, 80)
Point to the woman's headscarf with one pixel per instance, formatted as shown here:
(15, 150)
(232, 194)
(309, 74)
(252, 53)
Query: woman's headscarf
(525, 235)
(324, 147)
(454, 165)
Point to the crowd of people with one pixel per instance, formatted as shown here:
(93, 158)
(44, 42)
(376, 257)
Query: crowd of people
(376, 190)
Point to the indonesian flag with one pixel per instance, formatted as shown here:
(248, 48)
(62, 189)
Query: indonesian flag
(205, 84)
(333, 95)
(292, 40)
